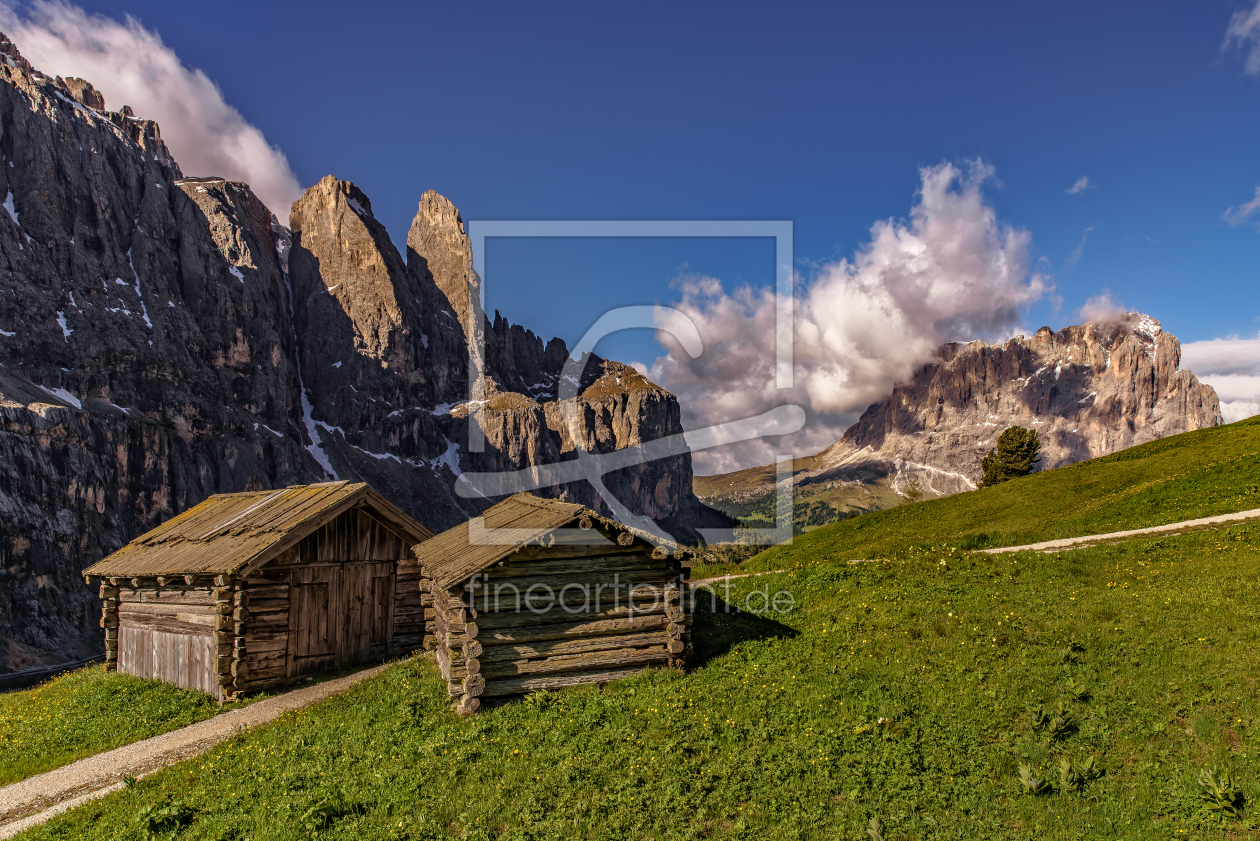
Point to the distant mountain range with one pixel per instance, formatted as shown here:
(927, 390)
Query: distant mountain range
(1088, 390)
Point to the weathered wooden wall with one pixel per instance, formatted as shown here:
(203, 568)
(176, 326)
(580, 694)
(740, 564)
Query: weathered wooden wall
(162, 632)
(182, 659)
(346, 593)
(413, 608)
(490, 643)
(329, 602)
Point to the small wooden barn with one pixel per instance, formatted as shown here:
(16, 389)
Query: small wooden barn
(541, 594)
(250, 591)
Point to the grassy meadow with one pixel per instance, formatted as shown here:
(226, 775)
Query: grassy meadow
(1198, 474)
(904, 691)
(87, 711)
(924, 693)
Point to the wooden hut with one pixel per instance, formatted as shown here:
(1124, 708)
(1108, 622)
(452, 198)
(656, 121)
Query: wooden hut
(250, 591)
(541, 594)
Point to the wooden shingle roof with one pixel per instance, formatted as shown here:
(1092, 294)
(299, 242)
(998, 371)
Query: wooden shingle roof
(520, 520)
(229, 532)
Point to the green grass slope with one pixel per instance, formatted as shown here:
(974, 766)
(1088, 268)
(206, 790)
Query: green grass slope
(904, 691)
(1198, 474)
(84, 712)
(898, 691)
(749, 496)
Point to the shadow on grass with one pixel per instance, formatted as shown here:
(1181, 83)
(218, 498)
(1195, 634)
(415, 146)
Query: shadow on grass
(717, 627)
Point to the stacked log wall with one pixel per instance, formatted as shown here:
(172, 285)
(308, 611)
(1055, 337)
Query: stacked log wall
(260, 629)
(413, 608)
(490, 643)
(109, 624)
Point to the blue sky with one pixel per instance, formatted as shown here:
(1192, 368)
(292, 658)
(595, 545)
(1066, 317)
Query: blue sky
(824, 115)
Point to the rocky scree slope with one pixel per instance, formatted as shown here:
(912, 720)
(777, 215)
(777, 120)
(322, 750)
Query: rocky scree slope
(164, 338)
(1088, 390)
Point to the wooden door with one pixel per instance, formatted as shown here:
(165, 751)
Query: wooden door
(369, 591)
(339, 614)
(313, 625)
(382, 608)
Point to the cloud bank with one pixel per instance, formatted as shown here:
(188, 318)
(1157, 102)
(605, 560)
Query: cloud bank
(951, 272)
(1243, 34)
(1232, 367)
(131, 66)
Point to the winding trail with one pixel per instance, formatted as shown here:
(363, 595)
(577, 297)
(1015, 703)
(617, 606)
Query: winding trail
(1111, 537)
(37, 799)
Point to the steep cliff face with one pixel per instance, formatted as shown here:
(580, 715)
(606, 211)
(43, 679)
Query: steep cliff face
(1088, 390)
(387, 371)
(165, 338)
(146, 353)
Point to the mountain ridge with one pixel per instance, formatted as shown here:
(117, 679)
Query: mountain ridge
(1089, 390)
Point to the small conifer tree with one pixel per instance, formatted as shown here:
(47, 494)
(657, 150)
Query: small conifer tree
(914, 491)
(1018, 453)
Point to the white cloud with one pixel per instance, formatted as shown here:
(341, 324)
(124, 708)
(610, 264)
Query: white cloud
(1101, 307)
(1078, 252)
(1243, 34)
(1241, 215)
(131, 66)
(1232, 367)
(1082, 184)
(951, 272)
(1240, 409)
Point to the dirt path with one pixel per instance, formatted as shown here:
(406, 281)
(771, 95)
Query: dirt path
(37, 799)
(703, 581)
(1110, 537)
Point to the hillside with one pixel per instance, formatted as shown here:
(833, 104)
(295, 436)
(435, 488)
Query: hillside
(907, 692)
(1089, 390)
(1195, 474)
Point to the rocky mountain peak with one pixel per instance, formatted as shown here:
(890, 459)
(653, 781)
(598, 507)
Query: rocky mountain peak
(13, 58)
(618, 378)
(439, 253)
(348, 276)
(85, 94)
(1088, 389)
(147, 357)
(164, 338)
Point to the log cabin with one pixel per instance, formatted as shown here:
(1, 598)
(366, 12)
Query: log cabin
(541, 594)
(253, 591)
